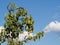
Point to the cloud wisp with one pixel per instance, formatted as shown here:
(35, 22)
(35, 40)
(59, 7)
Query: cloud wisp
(52, 27)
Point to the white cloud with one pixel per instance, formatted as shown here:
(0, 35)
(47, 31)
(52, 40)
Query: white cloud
(52, 27)
(25, 35)
(1, 28)
(22, 36)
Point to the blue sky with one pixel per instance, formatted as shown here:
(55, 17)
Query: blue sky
(43, 12)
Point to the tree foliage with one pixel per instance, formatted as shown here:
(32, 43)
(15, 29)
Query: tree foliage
(16, 22)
